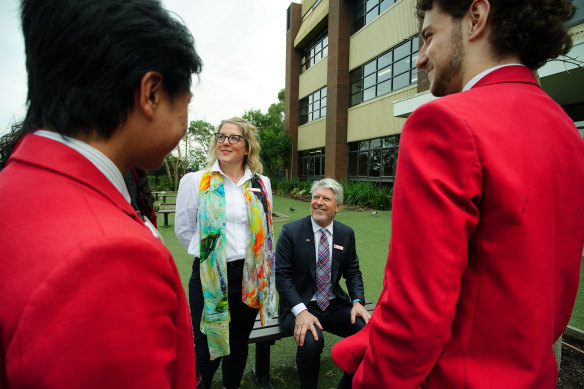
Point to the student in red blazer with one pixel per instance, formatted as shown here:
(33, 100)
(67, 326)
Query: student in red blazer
(89, 297)
(488, 217)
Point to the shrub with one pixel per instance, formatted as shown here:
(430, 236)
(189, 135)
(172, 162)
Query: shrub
(158, 183)
(367, 194)
(362, 194)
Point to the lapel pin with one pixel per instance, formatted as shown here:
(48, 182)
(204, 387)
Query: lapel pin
(307, 240)
(338, 247)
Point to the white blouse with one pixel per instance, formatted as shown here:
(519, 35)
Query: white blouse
(186, 226)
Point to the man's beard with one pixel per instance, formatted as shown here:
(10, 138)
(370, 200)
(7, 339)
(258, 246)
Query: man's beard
(443, 83)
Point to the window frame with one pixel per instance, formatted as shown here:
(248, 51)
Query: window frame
(370, 159)
(317, 48)
(311, 162)
(313, 106)
(368, 81)
(365, 11)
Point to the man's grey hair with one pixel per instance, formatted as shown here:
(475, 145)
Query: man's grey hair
(331, 184)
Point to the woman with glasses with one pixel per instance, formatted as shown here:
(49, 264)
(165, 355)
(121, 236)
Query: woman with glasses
(224, 219)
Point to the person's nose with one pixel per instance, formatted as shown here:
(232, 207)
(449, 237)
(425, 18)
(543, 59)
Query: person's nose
(422, 59)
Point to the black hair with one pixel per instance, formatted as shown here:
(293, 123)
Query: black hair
(534, 30)
(85, 58)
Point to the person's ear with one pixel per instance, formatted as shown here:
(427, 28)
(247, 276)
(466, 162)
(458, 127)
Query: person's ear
(478, 17)
(148, 93)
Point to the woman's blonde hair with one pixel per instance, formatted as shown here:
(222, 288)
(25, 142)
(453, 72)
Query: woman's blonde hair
(250, 133)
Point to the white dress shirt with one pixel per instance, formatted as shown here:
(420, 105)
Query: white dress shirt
(317, 234)
(237, 230)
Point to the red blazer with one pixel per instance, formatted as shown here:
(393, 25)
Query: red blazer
(88, 298)
(486, 245)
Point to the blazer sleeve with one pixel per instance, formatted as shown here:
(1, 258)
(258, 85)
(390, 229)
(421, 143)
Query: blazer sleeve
(109, 316)
(435, 212)
(352, 273)
(289, 296)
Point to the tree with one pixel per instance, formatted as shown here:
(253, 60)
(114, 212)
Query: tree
(201, 132)
(195, 144)
(275, 142)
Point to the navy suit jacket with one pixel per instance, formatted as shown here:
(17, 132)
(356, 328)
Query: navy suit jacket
(296, 266)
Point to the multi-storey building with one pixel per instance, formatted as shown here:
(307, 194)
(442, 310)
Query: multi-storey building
(351, 82)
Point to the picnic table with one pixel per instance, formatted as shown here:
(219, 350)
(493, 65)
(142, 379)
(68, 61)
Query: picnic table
(158, 194)
(166, 209)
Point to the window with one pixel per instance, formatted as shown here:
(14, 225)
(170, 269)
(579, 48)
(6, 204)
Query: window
(313, 106)
(314, 52)
(392, 70)
(373, 158)
(311, 163)
(578, 16)
(364, 11)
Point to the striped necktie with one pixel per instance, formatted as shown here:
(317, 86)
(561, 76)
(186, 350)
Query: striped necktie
(323, 272)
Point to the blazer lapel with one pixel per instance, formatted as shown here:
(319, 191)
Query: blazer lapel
(336, 254)
(309, 250)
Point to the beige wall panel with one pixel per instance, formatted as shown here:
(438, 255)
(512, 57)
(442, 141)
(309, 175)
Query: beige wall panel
(312, 135)
(312, 79)
(312, 22)
(306, 6)
(390, 28)
(577, 32)
(375, 119)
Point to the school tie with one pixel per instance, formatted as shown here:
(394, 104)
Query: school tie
(323, 272)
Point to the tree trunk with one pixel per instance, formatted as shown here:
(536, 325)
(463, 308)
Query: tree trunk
(176, 166)
(168, 170)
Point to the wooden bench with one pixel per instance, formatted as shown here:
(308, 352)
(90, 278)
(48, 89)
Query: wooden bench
(264, 338)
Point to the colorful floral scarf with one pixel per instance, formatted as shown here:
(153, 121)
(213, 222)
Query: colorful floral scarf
(258, 287)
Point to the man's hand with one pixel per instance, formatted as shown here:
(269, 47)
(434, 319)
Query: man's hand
(306, 321)
(358, 310)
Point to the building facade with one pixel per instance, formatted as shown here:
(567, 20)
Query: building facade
(351, 82)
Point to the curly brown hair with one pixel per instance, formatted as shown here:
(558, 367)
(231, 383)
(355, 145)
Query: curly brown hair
(535, 29)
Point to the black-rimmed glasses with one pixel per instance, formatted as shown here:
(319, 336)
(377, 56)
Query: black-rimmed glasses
(233, 139)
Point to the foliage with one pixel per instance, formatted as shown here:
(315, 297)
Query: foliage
(200, 133)
(189, 155)
(173, 161)
(159, 182)
(361, 194)
(367, 194)
(275, 142)
(295, 187)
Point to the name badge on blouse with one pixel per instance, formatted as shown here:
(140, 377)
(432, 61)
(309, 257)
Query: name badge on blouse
(254, 190)
(338, 247)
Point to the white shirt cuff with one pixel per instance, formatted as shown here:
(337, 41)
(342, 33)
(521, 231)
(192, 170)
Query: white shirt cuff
(298, 308)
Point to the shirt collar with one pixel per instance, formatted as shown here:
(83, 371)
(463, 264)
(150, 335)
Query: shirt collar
(478, 77)
(96, 157)
(246, 174)
(316, 227)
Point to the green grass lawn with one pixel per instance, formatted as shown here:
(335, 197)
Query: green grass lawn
(372, 238)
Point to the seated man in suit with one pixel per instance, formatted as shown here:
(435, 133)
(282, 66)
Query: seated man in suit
(311, 256)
